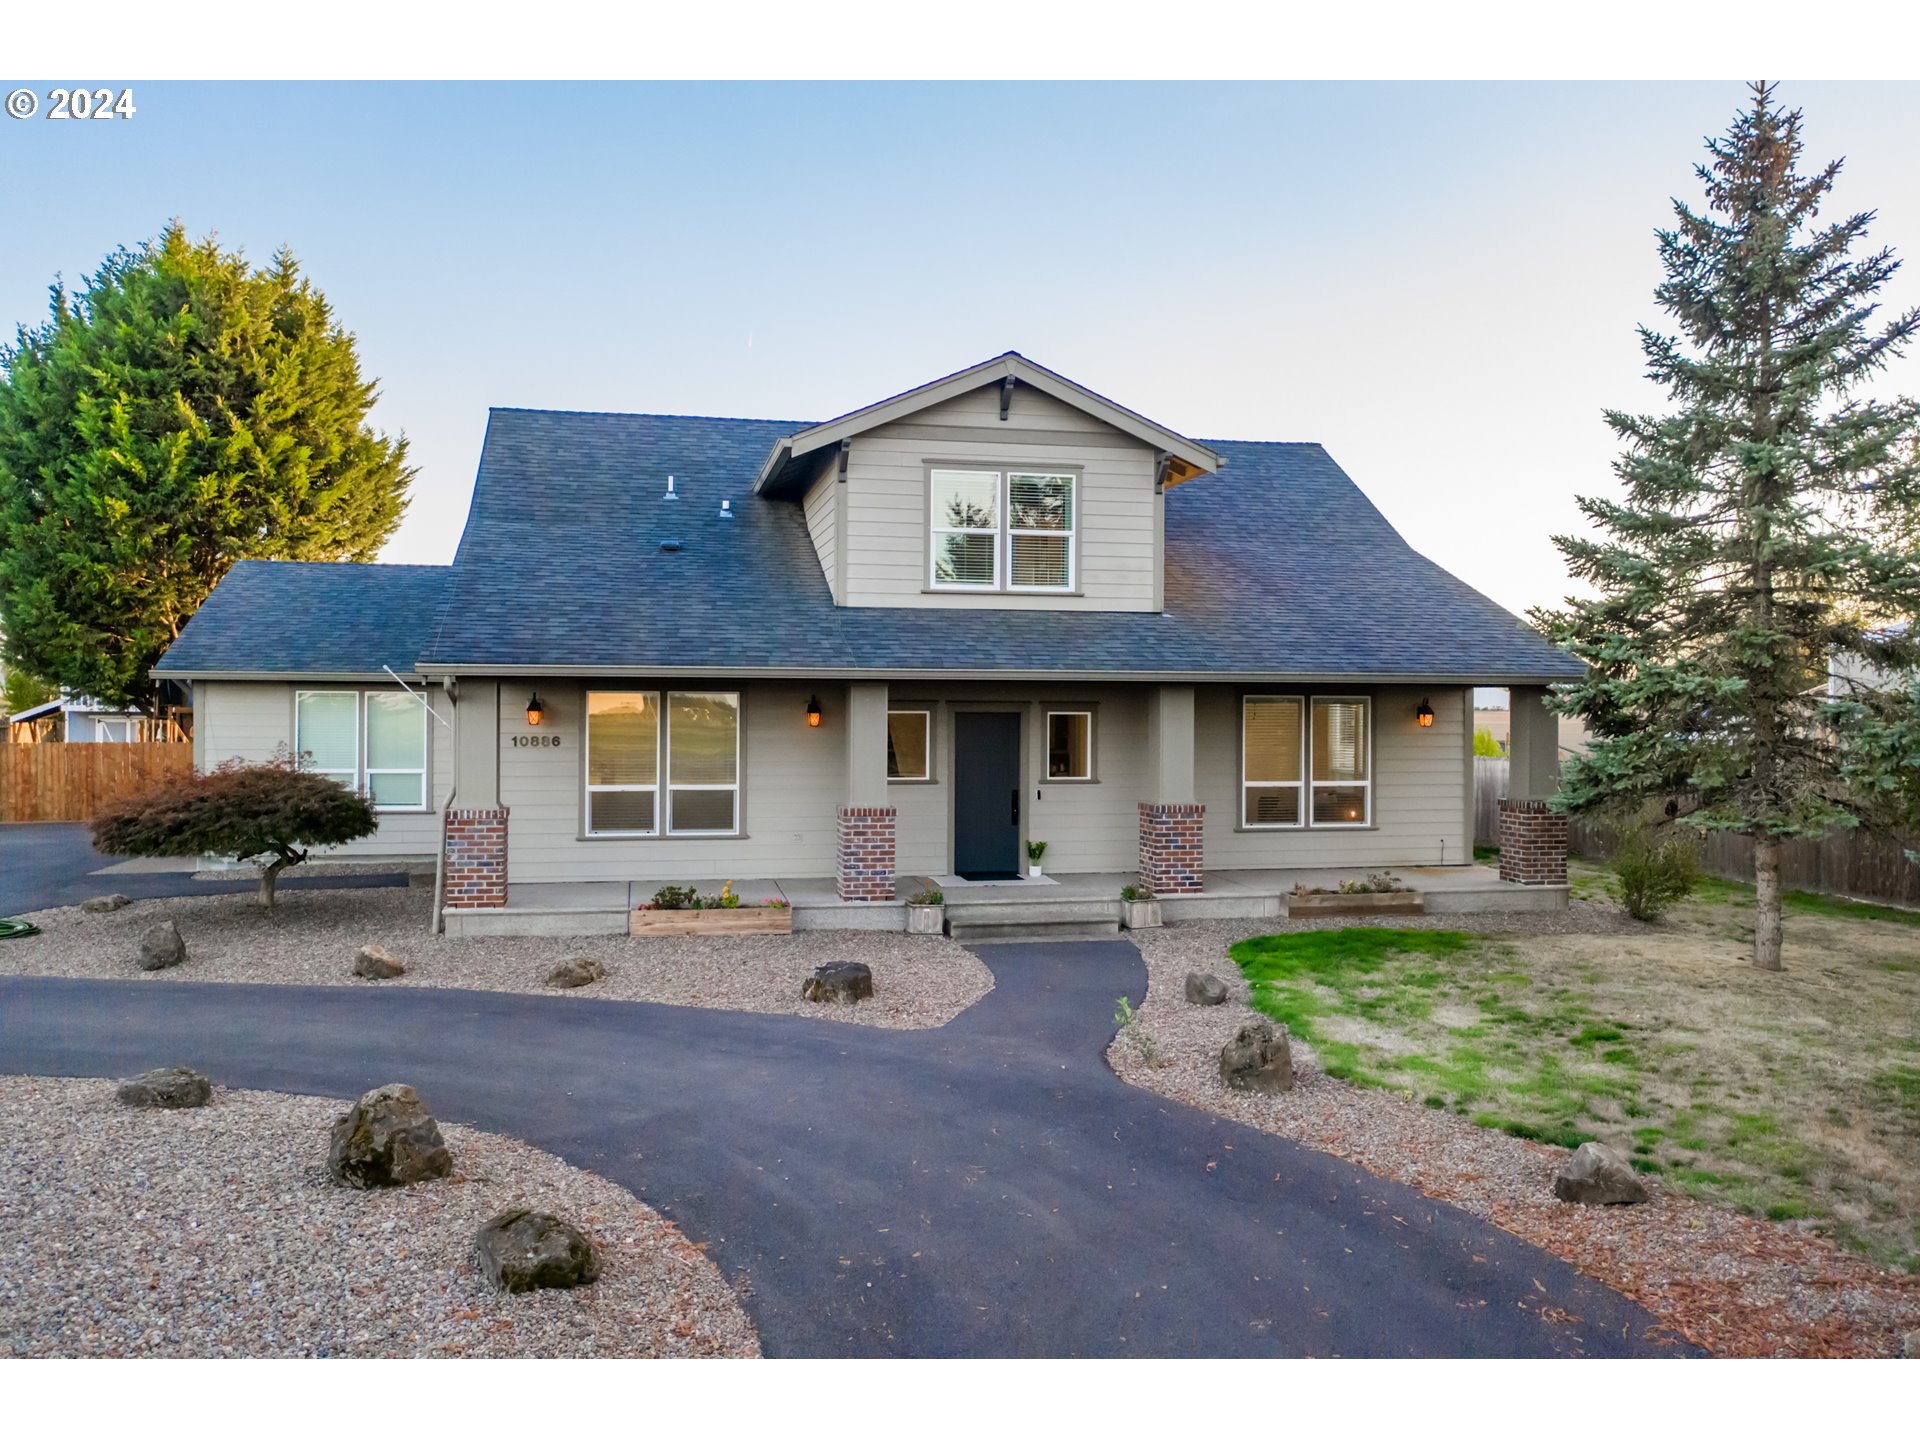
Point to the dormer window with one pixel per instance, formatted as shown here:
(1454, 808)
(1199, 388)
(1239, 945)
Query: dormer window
(1002, 530)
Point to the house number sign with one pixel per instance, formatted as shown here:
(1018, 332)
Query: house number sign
(530, 742)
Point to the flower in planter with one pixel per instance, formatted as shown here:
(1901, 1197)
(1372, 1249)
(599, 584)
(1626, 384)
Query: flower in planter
(927, 897)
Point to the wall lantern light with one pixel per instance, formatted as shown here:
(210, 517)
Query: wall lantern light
(536, 712)
(1424, 715)
(813, 711)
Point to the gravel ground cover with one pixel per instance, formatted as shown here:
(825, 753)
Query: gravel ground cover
(1732, 1283)
(312, 937)
(218, 1232)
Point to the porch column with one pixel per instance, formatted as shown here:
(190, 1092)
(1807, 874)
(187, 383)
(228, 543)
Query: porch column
(865, 868)
(1172, 838)
(473, 833)
(1533, 838)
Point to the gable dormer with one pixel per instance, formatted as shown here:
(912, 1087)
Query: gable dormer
(1004, 485)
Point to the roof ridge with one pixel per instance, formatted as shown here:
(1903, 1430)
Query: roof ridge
(645, 415)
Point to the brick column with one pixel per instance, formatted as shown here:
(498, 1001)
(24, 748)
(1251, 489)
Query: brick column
(1533, 843)
(1172, 847)
(476, 842)
(866, 852)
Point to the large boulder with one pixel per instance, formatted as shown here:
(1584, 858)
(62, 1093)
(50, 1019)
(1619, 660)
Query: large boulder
(161, 947)
(387, 1138)
(1258, 1058)
(1205, 989)
(105, 904)
(172, 1087)
(376, 963)
(572, 973)
(839, 982)
(1599, 1175)
(531, 1250)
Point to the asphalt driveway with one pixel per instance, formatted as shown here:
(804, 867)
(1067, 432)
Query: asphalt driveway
(989, 1188)
(42, 866)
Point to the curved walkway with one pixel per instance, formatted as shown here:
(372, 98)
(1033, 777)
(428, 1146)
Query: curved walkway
(989, 1188)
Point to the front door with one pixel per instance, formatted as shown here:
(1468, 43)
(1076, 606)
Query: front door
(986, 796)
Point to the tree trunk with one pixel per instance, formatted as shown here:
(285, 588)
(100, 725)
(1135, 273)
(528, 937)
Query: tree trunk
(270, 877)
(1766, 908)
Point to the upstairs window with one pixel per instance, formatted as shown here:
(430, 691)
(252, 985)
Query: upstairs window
(1014, 530)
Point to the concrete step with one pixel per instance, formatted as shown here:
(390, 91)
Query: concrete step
(979, 932)
(1031, 910)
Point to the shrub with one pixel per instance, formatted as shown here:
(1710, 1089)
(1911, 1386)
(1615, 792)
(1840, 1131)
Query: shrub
(1141, 1038)
(674, 897)
(927, 897)
(1650, 877)
(251, 812)
(1132, 893)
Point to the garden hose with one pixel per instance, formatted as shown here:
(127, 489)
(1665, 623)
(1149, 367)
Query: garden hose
(16, 929)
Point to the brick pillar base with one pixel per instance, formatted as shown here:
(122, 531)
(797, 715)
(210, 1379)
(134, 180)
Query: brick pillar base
(1172, 848)
(476, 842)
(1533, 843)
(866, 852)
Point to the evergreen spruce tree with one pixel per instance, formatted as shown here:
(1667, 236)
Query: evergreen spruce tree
(1752, 545)
(184, 411)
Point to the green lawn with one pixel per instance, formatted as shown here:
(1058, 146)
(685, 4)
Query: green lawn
(1790, 1096)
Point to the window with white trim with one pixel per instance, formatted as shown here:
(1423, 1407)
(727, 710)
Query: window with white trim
(657, 769)
(909, 744)
(372, 741)
(1342, 773)
(1013, 530)
(1069, 745)
(1272, 740)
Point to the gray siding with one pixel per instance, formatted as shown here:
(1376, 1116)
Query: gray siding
(794, 778)
(822, 510)
(886, 503)
(1420, 787)
(248, 720)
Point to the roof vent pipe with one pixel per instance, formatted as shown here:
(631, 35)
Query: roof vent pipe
(669, 495)
(726, 509)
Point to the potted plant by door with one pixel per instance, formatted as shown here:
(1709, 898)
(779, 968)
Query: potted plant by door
(1035, 849)
(1139, 910)
(927, 913)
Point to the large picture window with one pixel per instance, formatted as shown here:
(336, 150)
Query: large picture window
(1271, 763)
(639, 751)
(1342, 779)
(373, 741)
(1014, 530)
(909, 745)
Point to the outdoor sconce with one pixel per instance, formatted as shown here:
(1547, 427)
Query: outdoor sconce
(536, 712)
(813, 711)
(1424, 715)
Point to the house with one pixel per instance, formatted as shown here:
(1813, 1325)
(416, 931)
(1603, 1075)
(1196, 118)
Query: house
(899, 643)
(83, 720)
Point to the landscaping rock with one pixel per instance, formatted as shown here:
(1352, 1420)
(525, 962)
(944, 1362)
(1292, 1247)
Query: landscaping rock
(375, 963)
(524, 1250)
(1205, 989)
(572, 974)
(1910, 1347)
(1259, 1059)
(839, 982)
(172, 1087)
(161, 947)
(105, 904)
(387, 1138)
(1599, 1175)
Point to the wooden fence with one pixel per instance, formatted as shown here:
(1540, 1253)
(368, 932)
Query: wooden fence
(1846, 862)
(71, 782)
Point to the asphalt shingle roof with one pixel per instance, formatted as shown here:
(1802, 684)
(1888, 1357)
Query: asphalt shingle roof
(292, 617)
(1275, 565)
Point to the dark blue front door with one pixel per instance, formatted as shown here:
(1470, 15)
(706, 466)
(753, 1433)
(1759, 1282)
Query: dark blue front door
(986, 796)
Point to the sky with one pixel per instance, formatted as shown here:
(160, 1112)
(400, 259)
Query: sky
(1439, 282)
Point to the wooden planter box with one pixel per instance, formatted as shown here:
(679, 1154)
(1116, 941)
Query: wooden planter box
(926, 919)
(745, 920)
(1140, 914)
(1393, 902)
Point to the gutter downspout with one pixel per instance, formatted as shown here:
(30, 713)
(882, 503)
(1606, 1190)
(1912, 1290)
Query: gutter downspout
(437, 924)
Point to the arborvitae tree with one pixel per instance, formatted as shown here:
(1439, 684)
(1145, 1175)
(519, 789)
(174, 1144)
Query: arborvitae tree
(1749, 549)
(184, 411)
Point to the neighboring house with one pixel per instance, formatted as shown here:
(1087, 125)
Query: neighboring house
(1849, 674)
(82, 720)
(899, 643)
